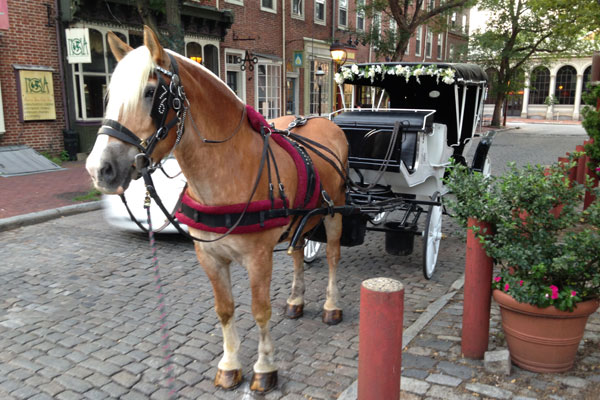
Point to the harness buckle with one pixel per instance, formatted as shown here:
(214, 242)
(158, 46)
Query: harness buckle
(161, 133)
(176, 104)
(142, 161)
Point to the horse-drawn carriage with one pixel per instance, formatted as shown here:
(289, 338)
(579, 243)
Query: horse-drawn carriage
(252, 184)
(403, 123)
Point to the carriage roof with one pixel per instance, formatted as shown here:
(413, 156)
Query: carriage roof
(425, 74)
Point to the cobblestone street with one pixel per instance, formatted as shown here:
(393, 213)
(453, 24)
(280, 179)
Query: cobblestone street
(79, 320)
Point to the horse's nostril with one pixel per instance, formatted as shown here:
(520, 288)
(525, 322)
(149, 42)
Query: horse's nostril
(107, 172)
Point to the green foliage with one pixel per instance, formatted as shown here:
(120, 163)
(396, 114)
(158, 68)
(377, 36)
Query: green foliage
(591, 124)
(58, 160)
(517, 31)
(547, 247)
(92, 195)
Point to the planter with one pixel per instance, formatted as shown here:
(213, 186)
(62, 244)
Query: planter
(542, 339)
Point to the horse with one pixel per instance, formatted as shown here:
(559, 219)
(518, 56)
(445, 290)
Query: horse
(222, 157)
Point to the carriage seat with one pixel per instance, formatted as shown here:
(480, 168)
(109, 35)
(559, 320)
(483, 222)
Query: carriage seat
(369, 134)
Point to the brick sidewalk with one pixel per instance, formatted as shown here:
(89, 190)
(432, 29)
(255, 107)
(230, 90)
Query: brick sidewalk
(42, 191)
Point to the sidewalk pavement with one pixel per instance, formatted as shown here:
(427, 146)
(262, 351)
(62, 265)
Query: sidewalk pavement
(432, 364)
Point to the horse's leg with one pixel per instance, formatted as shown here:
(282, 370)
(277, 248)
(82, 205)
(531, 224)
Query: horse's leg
(332, 314)
(265, 371)
(229, 372)
(295, 303)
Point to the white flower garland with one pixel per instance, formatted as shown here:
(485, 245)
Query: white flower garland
(350, 73)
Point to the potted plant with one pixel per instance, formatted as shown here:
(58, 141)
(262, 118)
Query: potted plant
(547, 254)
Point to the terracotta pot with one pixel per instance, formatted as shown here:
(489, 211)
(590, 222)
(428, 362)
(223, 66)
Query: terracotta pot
(542, 339)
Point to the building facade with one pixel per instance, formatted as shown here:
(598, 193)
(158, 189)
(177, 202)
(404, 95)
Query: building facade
(552, 90)
(267, 51)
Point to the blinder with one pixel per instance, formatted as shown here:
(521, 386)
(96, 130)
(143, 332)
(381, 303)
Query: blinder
(167, 96)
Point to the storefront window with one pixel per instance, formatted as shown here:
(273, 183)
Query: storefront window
(268, 90)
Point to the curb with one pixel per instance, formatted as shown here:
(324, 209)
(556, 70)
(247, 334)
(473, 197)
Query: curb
(46, 215)
(408, 334)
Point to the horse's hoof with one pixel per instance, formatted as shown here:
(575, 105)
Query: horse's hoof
(228, 379)
(294, 311)
(332, 317)
(263, 382)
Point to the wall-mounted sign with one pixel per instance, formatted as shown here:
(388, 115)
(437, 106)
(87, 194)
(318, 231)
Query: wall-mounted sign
(4, 15)
(36, 93)
(298, 59)
(78, 45)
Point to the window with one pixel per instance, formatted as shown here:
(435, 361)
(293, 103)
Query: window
(428, 43)
(268, 87)
(376, 29)
(430, 5)
(238, 2)
(464, 26)
(566, 79)
(453, 20)
(440, 42)
(91, 79)
(320, 13)
(360, 15)
(268, 5)
(343, 13)
(193, 50)
(492, 86)
(298, 9)
(211, 58)
(393, 29)
(539, 85)
(451, 53)
(236, 78)
(587, 74)
(418, 39)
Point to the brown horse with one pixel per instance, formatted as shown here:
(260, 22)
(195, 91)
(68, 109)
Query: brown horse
(219, 153)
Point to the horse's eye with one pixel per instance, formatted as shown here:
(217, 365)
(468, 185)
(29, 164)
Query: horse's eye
(149, 93)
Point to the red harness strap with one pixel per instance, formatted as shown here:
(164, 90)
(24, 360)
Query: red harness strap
(260, 214)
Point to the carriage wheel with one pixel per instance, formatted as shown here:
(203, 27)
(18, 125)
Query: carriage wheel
(311, 250)
(378, 218)
(432, 235)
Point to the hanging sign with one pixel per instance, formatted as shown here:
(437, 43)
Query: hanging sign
(36, 93)
(78, 45)
(4, 15)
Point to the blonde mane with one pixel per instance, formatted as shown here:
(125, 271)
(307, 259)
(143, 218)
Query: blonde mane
(128, 81)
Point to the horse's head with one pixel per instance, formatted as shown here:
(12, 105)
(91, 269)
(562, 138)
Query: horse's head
(140, 120)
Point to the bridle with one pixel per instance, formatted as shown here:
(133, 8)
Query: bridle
(167, 96)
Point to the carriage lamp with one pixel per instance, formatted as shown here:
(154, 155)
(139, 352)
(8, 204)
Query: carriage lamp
(319, 73)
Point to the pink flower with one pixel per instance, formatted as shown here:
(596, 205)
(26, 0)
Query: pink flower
(573, 293)
(597, 169)
(506, 287)
(520, 283)
(554, 289)
(554, 295)
(497, 279)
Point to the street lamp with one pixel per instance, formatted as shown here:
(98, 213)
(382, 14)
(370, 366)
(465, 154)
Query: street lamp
(339, 56)
(319, 74)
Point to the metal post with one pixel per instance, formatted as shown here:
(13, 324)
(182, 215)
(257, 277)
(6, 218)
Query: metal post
(320, 98)
(477, 294)
(380, 339)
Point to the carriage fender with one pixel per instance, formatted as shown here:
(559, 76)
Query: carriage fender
(482, 151)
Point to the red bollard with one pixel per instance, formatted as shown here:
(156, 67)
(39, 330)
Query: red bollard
(478, 291)
(380, 339)
(572, 172)
(581, 165)
(589, 197)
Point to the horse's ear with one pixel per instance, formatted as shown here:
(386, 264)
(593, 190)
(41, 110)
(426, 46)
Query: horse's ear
(159, 56)
(118, 47)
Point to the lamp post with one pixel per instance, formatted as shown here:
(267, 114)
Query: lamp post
(319, 74)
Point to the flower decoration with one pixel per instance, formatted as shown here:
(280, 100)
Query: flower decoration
(354, 71)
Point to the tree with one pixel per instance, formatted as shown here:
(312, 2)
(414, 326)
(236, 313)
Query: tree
(409, 15)
(519, 30)
(149, 9)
